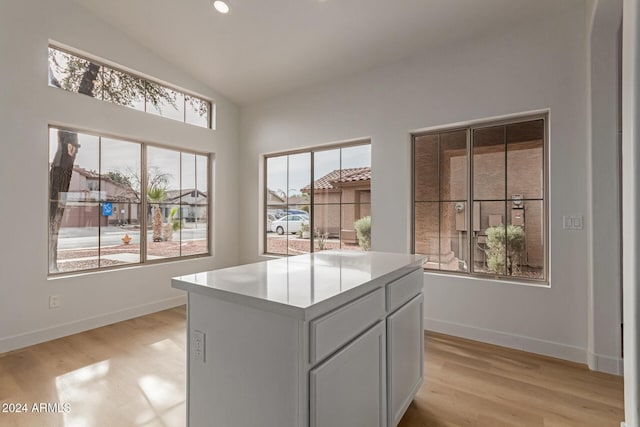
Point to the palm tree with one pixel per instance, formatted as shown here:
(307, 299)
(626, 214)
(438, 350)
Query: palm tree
(156, 195)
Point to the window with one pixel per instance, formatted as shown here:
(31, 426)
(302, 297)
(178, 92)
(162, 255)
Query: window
(318, 199)
(76, 74)
(479, 199)
(104, 212)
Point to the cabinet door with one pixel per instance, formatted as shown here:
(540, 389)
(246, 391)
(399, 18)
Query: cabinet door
(405, 352)
(349, 389)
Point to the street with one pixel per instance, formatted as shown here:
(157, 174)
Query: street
(87, 237)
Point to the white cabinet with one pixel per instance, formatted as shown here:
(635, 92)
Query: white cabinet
(405, 351)
(324, 340)
(354, 377)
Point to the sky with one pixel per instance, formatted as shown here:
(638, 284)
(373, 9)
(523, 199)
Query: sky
(299, 166)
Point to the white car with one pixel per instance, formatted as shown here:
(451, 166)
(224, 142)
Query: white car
(289, 223)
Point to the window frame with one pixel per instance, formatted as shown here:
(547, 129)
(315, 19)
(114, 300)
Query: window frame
(311, 151)
(144, 204)
(469, 127)
(146, 80)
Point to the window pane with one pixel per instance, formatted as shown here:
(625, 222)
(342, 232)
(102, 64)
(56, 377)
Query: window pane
(122, 88)
(74, 191)
(202, 174)
(119, 186)
(525, 162)
(163, 195)
(163, 239)
(326, 172)
(74, 74)
(164, 102)
(489, 163)
(78, 241)
(195, 230)
(453, 165)
(358, 156)
(299, 178)
(356, 216)
(120, 241)
(426, 168)
(197, 111)
(490, 241)
(277, 182)
(193, 206)
(276, 240)
(326, 218)
(299, 237)
(188, 172)
(453, 237)
(525, 239)
(427, 233)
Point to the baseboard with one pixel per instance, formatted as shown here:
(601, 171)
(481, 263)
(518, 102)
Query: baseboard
(16, 342)
(518, 342)
(606, 364)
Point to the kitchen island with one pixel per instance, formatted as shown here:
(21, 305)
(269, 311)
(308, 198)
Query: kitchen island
(328, 339)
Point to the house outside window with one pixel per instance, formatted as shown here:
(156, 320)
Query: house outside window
(479, 199)
(115, 203)
(318, 199)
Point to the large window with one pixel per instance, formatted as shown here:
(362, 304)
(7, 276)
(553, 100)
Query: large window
(114, 202)
(318, 199)
(77, 74)
(479, 199)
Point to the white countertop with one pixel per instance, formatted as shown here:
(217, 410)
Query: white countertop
(299, 286)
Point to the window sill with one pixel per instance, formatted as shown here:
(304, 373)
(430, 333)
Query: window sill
(491, 279)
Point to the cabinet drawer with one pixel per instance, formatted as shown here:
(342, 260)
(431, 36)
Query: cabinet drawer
(335, 329)
(402, 290)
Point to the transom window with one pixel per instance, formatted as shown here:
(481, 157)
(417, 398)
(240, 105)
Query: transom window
(479, 199)
(114, 202)
(77, 74)
(318, 199)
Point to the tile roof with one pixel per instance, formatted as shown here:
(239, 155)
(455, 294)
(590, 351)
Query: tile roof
(328, 181)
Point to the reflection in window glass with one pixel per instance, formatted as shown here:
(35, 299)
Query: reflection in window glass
(95, 202)
(341, 193)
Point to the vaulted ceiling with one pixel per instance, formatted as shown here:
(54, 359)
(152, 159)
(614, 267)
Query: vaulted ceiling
(263, 48)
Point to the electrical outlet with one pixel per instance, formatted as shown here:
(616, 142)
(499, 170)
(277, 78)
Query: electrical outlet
(54, 301)
(198, 346)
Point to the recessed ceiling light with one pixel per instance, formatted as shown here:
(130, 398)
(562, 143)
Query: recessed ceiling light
(221, 6)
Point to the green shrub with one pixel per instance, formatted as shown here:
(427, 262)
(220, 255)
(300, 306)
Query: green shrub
(363, 232)
(504, 252)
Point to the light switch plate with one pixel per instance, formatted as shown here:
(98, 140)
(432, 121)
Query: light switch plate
(572, 222)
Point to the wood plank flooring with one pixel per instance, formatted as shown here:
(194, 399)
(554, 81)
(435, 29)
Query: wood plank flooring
(133, 374)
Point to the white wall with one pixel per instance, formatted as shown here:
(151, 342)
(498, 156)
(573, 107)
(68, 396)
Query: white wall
(541, 64)
(631, 208)
(27, 107)
(604, 133)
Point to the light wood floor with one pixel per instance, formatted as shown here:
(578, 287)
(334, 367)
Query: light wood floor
(133, 374)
